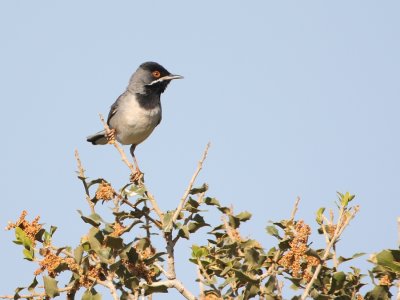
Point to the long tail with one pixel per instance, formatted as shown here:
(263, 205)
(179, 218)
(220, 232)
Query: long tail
(98, 138)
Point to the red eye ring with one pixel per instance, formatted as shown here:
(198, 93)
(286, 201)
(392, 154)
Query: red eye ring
(156, 74)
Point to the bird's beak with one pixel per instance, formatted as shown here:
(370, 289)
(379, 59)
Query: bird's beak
(166, 78)
(171, 77)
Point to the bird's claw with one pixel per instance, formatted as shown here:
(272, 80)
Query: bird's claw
(111, 136)
(137, 177)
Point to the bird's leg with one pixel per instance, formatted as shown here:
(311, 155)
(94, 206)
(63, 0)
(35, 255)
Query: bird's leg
(110, 135)
(138, 175)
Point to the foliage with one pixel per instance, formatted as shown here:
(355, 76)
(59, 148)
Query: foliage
(121, 256)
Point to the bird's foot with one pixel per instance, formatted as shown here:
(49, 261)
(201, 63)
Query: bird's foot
(111, 136)
(137, 177)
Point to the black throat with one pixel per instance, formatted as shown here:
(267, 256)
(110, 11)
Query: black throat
(149, 101)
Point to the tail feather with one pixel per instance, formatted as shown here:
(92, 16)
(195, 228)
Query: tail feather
(98, 138)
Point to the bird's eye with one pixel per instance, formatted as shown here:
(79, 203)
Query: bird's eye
(156, 74)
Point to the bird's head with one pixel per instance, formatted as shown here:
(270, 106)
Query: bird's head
(151, 77)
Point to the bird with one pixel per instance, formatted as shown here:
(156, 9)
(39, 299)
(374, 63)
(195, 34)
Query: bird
(137, 111)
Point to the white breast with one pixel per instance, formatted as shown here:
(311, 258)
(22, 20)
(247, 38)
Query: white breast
(132, 122)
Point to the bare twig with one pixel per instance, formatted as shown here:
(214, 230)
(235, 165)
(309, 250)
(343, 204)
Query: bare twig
(201, 285)
(295, 208)
(177, 285)
(190, 186)
(35, 295)
(154, 205)
(81, 176)
(344, 219)
(171, 274)
(113, 290)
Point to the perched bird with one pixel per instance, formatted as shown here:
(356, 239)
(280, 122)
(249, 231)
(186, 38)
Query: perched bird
(135, 114)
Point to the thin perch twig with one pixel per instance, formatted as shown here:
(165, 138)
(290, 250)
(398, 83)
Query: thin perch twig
(190, 186)
(81, 176)
(295, 208)
(117, 146)
(130, 166)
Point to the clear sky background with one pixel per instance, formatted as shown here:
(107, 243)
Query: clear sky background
(298, 98)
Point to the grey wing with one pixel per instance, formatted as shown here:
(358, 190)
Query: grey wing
(112, 112)
(114, 108)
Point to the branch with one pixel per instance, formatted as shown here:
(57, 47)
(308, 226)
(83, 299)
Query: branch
(127, 202)
(342, 223)
(112, 288)
(190, 186)
(177, 285)
(130, 166)
(154, 204)
(82, 177)
(201, 285)
(33, 295)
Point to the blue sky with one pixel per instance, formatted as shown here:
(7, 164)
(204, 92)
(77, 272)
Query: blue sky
(297, 99)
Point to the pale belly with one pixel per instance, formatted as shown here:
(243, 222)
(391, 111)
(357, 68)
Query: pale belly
(135, 125)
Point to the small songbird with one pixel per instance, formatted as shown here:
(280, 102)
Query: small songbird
(135, 114)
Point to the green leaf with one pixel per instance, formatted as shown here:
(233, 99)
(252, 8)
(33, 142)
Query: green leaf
(251, 291)
(211, 201)
(22, 238)
(142, 244)
(78, 253)
(320, 213)
(389, 259)
(95, 181)
(91, 294)
(184, 232)
(50, 286)
(17, 290)
(131, 190)
(234, 222)
(379, 293)
(345, 199)
(94, 219)
(338, 280)
(244, 277)
(272, 230)
(29, 254)
(244, 216)
(224, 209)
(114, 242)
(250, 244)
(155, 289)
(252, 256)
(152, 259)
(132, 283)
(194, 226)
(198, 252)
(199, 190)
(167, 221)
(52, 230)
(192, 205)
(342, 259)
(95, 238)
(32, 286)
